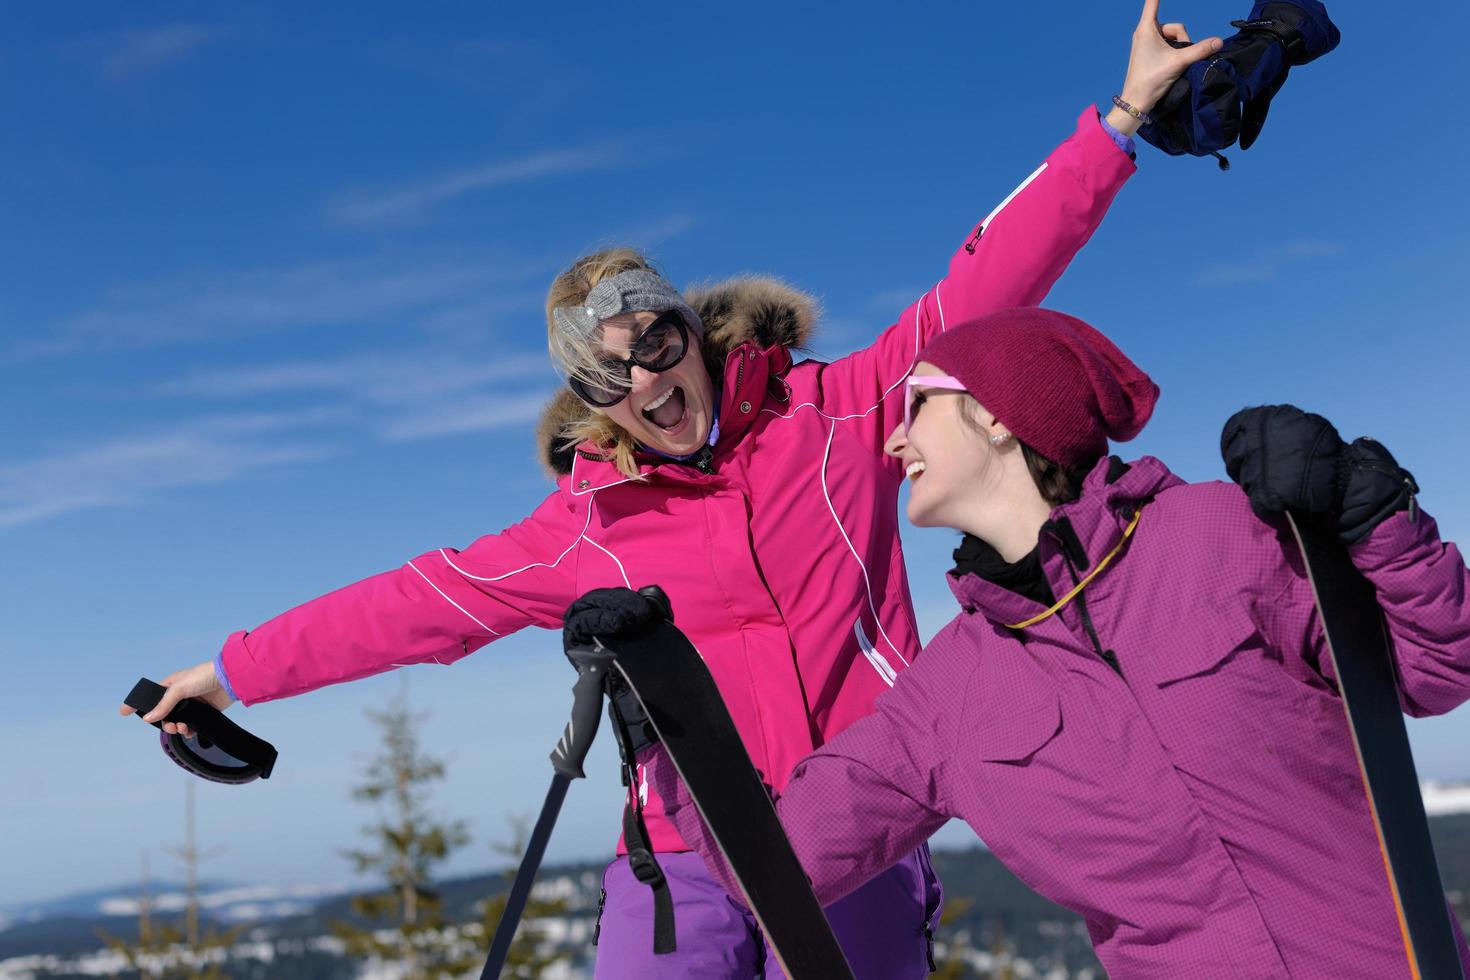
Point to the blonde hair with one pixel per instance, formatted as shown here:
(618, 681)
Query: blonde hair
(573, 353)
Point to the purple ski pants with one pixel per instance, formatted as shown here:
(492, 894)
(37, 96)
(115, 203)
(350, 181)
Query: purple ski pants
(880, 926)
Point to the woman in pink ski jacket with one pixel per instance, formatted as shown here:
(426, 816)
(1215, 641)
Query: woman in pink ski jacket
(754, 490)
(1134, 708)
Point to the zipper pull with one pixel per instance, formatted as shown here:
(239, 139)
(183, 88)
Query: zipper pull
(704, 462)
(1413, 501)
(601, 903)
(974, 239)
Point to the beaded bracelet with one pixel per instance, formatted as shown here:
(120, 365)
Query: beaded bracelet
(1138, 114)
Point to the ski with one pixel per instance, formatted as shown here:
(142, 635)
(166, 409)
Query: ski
(1359, 645)
(669, 678)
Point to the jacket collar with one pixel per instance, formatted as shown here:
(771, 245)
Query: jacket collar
(1083, 531)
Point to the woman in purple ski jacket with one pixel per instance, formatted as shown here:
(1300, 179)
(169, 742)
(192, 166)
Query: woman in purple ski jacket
(691, 451)
(1134, 708)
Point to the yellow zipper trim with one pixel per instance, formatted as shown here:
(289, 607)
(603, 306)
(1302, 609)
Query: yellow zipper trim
(1127, 532)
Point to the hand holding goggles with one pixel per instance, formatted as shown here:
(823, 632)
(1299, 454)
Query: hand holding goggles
(220, 750)
(658, 348)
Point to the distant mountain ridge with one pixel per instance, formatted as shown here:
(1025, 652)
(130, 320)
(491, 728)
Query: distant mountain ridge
(41, 939)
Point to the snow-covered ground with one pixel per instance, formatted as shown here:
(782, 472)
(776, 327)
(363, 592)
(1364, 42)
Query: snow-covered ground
(1442, 798)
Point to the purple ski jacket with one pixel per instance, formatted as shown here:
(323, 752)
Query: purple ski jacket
(782, 559)
(1202, 810)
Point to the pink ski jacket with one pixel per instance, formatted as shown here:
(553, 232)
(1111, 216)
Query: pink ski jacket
(782, 562)
(1200, 807)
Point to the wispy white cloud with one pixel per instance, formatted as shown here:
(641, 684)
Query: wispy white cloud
(226, 306)
(385, 377)
(131, 56)
(1267, 263)
(892, 302)
(659, 230)
(413, 202)
(389, 396)
(483, 413)
(399, 396)
(129, 470)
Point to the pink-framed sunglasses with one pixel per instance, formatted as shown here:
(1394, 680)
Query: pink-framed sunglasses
(928, 381)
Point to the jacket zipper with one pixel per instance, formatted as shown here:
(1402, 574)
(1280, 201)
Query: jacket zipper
(739, 373)
(601, 904)
(1072, 549)
(705, 461)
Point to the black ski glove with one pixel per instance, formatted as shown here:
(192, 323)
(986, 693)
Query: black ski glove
(1375, 487)
(608, 613)
(1284, 458)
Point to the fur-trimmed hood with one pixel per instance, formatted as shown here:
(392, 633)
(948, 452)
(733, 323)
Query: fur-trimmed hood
(748, 309)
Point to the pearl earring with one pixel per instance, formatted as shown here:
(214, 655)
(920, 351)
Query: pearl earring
(999, 438)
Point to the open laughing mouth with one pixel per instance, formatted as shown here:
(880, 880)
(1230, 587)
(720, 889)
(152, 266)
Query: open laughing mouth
(914, 470)
(668, 410)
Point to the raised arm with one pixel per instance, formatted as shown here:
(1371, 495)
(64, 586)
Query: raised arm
(1011, 259)
(1018, 250)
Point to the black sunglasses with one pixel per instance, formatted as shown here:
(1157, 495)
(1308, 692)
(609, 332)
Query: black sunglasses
(219, 750)
(657, 348)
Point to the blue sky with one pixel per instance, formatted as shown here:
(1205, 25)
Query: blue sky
(270, 322)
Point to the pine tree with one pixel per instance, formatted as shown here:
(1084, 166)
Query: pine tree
(527, 958)
(409, 843)
(177, 951)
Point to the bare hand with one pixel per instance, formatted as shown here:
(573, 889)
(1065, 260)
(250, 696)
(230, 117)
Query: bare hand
(1153, 63)
(194, 682)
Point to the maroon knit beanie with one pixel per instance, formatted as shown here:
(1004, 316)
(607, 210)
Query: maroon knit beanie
(1057, 384)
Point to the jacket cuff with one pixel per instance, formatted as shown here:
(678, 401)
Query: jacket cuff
(1125, 143)
(1394, 539)
(1099, 147)
(238, 671)
(222, 677)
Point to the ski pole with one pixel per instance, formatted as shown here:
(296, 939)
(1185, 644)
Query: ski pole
(567, 758)
(1362, 655)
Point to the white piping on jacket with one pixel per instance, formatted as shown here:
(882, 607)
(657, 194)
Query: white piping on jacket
(450, 601)
(582, 536)
(867, 583)
(535, 564)
(621, 570)
(1012, 195)
(880, 663)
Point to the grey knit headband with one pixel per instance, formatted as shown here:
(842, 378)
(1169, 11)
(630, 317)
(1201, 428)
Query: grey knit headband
(636, 290)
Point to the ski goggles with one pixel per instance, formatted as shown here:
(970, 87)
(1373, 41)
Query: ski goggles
(658, 348)
(914, 400)
(219, 750)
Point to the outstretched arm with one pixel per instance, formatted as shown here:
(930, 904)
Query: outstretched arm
(436, 608)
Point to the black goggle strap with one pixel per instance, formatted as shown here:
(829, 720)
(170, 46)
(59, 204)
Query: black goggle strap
(213, 729)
